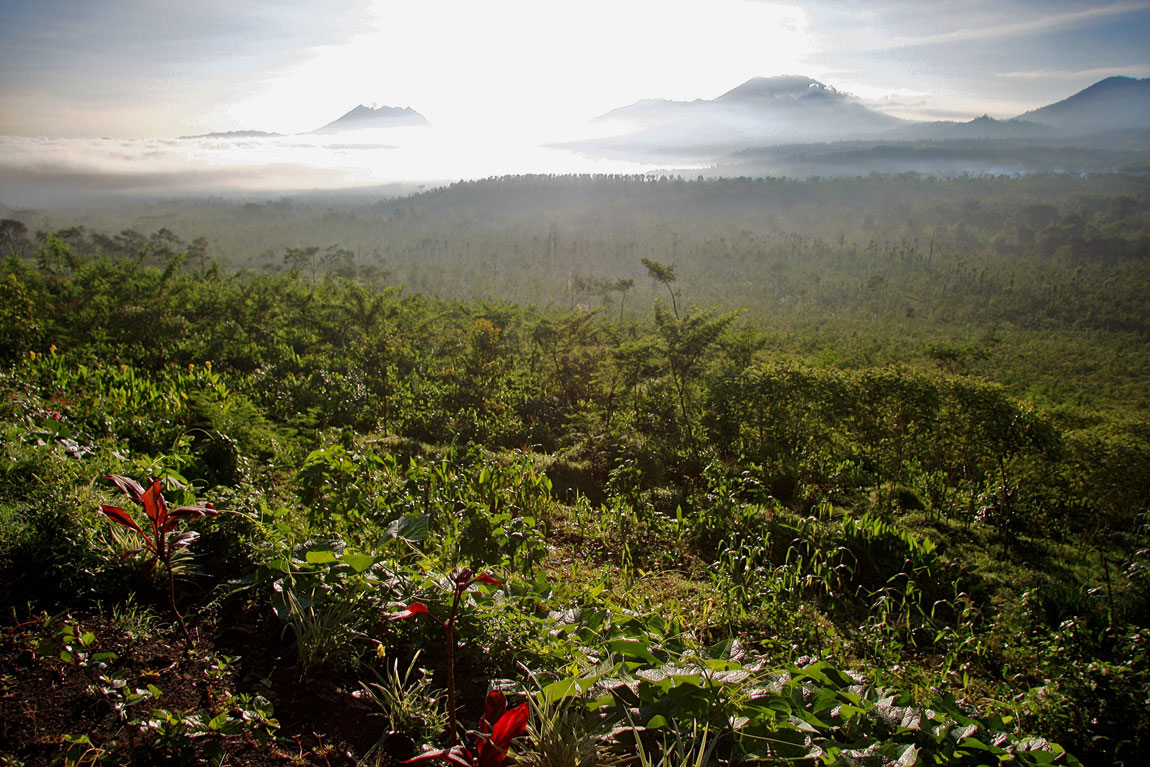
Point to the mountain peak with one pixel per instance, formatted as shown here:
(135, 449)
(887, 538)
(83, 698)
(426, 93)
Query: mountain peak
(1116, 103)
(763, 111)
(365, 117)
(780, 87)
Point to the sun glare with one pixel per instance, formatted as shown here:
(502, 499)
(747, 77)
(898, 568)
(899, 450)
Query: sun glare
(524, 68)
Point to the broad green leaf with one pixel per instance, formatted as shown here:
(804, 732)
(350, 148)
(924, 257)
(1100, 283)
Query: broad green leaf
(321, 557)
(601, 702)
(848, 711)
(358, 562)
(632, 648)
(976, 744)
(566, 688)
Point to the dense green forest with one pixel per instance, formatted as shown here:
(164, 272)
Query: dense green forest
(1049, 271)
(706, 472)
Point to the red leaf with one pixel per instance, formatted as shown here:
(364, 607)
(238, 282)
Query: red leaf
(116, 514)
(181, 513)
(154, 505)
(200, 510)
(128, 486)
(510, 725)
(485, 578)
(496, 707)
(119, 515)
(407, 612)
(493, 751)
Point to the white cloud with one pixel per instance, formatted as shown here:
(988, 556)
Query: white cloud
(52, 166)
(1132, 70)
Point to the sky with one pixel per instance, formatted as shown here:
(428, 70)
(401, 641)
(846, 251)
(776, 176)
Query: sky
(509, 73)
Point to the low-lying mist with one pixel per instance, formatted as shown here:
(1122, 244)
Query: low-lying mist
(42, 172)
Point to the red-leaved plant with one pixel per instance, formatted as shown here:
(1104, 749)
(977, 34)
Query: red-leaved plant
(461, 580)
(162, 538)
(496, 729)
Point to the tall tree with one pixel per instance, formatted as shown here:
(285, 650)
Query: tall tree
(687, 340)
(13, 237)
(623, 285)
(665, 275)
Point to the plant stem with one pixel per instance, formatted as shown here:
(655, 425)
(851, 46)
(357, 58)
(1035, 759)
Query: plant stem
(172, 602)
(451, 682)
(449, 629)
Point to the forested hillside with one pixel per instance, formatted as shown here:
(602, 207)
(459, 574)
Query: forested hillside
(706, 472)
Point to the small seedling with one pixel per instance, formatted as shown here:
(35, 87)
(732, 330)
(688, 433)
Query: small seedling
(164, 539)
(462, 580)
(70, 645)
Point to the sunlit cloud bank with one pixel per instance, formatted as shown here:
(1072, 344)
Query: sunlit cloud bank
(34, 170)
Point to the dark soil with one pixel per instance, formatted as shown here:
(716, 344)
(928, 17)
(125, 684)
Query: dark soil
(44, 699)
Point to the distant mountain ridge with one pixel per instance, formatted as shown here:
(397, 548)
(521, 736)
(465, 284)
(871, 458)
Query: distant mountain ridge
(795, 110)
(984, 127)
(367, 118)
(235, 134)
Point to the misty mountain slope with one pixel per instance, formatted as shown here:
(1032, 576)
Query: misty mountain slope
(1113, 104)
(763, 110)
(801, 107)
(367, 118)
